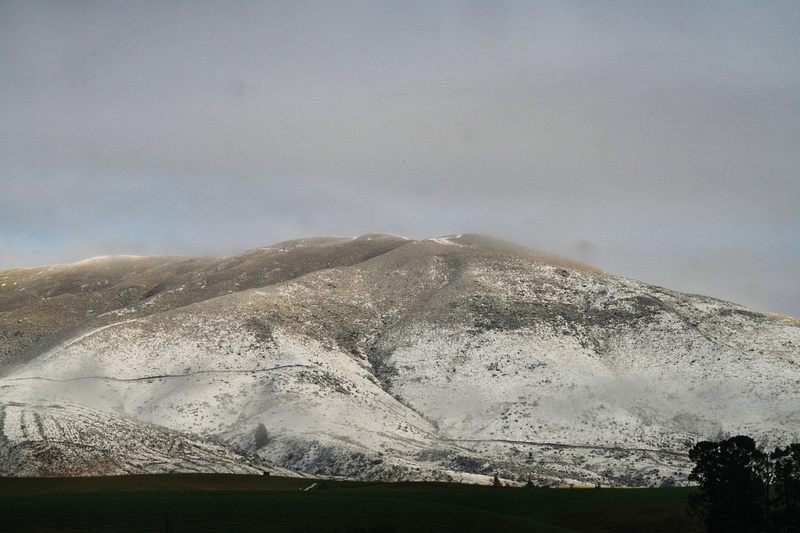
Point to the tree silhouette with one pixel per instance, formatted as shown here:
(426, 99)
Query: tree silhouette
(786, 475)
(742, 489)
(733, 494)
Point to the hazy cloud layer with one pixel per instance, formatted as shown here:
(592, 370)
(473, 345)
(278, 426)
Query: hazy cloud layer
(656, 141)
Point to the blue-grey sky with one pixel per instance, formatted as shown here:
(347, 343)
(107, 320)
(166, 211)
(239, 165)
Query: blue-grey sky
(655, 140)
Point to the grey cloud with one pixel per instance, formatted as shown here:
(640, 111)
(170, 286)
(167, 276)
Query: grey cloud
(644, 133)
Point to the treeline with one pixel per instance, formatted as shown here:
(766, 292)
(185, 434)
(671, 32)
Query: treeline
(744, 489)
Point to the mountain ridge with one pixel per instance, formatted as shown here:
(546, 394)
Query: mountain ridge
(382, 357)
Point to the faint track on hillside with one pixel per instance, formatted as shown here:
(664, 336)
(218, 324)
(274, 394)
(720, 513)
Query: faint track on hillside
(694, 324)
(573, 446)
(79, 338)
(161, 376)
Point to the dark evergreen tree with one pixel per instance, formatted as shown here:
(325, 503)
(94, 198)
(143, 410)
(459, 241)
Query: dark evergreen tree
(733, 493)
(785, 515)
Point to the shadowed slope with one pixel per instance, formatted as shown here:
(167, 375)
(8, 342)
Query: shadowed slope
(38, 303)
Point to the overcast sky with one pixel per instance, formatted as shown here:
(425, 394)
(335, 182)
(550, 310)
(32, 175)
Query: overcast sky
(656, 140)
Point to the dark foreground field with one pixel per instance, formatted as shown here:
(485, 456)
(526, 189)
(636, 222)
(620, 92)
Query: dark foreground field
(200, 502)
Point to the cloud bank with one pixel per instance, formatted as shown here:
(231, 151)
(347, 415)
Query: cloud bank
(658, 142)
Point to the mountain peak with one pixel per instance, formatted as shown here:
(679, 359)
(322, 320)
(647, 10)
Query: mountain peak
(382, 357)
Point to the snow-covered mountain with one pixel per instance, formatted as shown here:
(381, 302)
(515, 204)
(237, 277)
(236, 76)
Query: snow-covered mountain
(381, 357)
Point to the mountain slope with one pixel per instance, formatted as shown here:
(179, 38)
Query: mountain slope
(386, 358)
(71, 440)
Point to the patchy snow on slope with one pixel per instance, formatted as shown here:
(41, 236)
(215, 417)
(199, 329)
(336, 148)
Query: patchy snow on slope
(454, 358)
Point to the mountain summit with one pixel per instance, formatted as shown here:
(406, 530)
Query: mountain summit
(380, 357)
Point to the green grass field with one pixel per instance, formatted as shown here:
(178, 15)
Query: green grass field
(209, 502)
